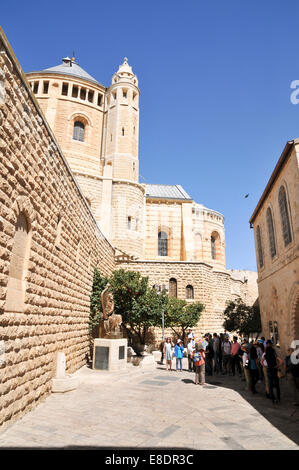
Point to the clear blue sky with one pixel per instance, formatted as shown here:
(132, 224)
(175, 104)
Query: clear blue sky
(215, 110)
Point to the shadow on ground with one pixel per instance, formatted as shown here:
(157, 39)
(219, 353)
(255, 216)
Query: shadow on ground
(284, 416)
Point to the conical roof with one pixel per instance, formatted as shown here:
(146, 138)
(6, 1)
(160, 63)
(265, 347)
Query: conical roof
(70, 67)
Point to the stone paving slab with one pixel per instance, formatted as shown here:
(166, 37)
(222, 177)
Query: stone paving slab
(152, 408)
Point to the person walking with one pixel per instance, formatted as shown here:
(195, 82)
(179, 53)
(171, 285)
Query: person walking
(293, 369)
(168, 353)
(235, 356)
(199, 362)
(245, 361)
(253, 368)
(272, 364)
(226, 355)
(190, 349)
(179, 353)
(162, 349)
(209, 355)
(216, 349)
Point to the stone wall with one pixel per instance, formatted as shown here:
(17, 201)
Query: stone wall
(49, 246)
(278, 277)
(212, 288)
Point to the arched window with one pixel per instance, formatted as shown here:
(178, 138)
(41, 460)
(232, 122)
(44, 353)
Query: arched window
(189, 292)
(18, 266)
(259, 247)
(284, 215)
(172, 287)
(213, 247)
(78, 133)
(271, 232)
(162, 244)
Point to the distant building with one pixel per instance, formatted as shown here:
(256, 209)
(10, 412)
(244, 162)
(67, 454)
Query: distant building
(156, 229)
(276, 230)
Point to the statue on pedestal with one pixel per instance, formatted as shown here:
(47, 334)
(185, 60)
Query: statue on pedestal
(110, 324)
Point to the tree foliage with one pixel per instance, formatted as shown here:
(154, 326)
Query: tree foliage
(242, 318)
(180, 315)
(138, 303)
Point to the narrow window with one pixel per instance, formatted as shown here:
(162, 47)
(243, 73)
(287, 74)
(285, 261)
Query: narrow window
(276, 334)
(271, 331)
(18, 266)
(78, 133)
(90, 96)
(83, 94)
(129, 223)
(100, 99)
(172, 287)
(284, 215)
(123, 131)
(271, 232)
(75, 91)
(189, 292)
(45, 88)
(213, 247)
(134, 129)
(162, 244)
(35, 87)
(65, 88)
(124, 93)
(259, 247)
(114, 95)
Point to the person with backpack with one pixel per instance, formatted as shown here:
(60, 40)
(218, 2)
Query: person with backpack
(272, 362)
(199, 362)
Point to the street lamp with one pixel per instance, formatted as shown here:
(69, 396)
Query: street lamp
(160, 290)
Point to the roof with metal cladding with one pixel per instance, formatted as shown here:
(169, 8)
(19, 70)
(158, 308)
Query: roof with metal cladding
(166, 191)
(70, 67)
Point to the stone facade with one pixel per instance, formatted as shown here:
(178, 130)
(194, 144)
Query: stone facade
(211, 287)
(276, 229)
(105, 161)
(49, 246)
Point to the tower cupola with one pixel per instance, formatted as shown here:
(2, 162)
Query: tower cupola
(125, 74)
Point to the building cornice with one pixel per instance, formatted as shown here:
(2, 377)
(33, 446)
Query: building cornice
(278, 168)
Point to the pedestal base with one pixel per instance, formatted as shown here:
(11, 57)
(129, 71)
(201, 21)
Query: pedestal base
(109, 354)
(64, 384)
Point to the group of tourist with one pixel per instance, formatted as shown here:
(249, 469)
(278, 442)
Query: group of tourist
(254, 361)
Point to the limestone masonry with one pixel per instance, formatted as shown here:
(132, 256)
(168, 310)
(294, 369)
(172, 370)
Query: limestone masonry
(49, 243)
(70, 200)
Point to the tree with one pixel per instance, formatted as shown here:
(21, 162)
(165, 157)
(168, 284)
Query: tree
(98, 285)
(138, 304)
(242, 318)
(180, 315)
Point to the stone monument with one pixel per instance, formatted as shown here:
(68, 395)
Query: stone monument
(62, 382)
(110, 349)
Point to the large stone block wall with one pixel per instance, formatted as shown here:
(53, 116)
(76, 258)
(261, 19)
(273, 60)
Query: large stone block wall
(212, 288)
(128, 201)
(278, 278)
(35, 180)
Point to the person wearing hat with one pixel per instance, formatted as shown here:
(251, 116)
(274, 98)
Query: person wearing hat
(199, 362)
(179, 354)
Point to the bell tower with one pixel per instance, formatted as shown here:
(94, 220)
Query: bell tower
(122, 125)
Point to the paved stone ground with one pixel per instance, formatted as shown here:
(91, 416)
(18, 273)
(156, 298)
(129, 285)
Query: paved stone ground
(152, 408)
